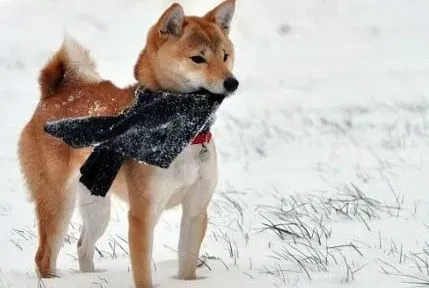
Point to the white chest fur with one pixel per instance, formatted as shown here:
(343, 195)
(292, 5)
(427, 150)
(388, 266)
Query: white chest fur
(189, 173)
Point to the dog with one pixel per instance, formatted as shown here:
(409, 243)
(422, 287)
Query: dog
(182, 54)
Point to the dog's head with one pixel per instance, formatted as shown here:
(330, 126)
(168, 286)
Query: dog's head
(189, 53)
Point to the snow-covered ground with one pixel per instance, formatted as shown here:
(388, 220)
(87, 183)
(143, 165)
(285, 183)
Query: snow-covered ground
(324, 151)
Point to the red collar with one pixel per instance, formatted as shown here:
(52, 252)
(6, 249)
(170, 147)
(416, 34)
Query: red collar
(202, 138)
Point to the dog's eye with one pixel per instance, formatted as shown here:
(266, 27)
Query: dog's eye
(198, 59)
(225, 57)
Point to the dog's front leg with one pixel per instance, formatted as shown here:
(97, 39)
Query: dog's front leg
(141, 225)
(194, 225)
(142, 219)
(192, 231)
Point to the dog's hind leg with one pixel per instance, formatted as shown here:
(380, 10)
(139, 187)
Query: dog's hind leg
(46, 171)
(54, 214)
(95, 212)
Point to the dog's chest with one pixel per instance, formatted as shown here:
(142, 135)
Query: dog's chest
(194, 164)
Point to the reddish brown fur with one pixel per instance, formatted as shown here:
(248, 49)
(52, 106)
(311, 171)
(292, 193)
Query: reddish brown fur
(48, 164)
(51, 75)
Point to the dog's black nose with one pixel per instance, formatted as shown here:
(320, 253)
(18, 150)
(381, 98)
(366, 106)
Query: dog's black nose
(230, 84)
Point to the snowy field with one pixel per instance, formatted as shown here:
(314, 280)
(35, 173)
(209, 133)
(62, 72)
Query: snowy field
(324, 150)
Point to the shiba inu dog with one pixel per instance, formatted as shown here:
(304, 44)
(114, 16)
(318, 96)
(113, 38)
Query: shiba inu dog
(182, 54)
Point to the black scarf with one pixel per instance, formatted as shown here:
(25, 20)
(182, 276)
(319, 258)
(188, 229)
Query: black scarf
(155, 130)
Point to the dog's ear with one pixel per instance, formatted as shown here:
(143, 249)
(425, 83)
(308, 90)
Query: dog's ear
(171, 21)
(222, 15)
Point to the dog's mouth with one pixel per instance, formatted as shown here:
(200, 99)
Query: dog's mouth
(217, 97)
(213, 96)
(205, 91)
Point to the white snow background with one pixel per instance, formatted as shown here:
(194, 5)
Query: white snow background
(324, 149)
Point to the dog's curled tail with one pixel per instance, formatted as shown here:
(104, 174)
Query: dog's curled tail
(70, 64)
